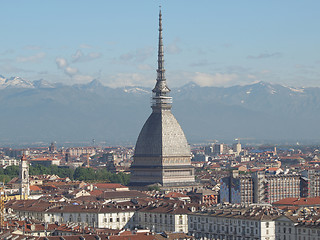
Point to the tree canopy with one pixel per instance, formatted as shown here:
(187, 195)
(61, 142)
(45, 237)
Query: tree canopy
(80, 173)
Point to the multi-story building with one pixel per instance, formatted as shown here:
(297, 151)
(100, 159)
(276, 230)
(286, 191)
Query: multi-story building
(113, 216)
(310, 183)
(237, 189)
(208, 150)
(259, 183)
(269, 188)
(78, 151)
(160, 215)
(171, 216)
(255, 223)
(237, 148)
(302, 225)
(220, 148)
(227, 221)
(15, 153)
(282, 186)
(7, 161)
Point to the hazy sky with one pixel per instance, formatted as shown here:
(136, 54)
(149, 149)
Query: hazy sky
(213, 43)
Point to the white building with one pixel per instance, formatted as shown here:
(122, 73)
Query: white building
(228, 222)
(171, 216)
(7, 161)
(113, 216)
(297, 227)
(233, 223)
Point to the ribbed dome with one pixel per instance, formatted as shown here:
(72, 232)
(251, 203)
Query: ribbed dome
(162, 135)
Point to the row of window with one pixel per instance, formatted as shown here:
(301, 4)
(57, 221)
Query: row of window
(227, 221)
(225, 229)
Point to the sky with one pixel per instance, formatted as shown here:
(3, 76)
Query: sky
(209, 42)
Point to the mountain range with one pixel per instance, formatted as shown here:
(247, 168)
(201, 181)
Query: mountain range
(39, 111)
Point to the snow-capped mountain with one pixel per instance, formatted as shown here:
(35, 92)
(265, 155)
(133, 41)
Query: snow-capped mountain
(18, 82)
(137, 90)
(33, 110)
(42, 84)
(15, 82)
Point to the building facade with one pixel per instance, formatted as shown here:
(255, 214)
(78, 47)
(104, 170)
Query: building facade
(255, 223)
(282, 186)
(237, 189)
(259, 187)
(221, 222)
(292, 228)
(310, 183)
(7, 161)
(169, 216)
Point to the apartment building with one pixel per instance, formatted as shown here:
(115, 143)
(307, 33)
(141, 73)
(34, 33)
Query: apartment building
(310, 183)
(169, 216)
(237, 189)
(258, 187)
(297, 227)
(233, 223)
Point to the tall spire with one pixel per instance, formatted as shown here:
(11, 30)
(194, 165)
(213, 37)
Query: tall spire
(160, 70)
(161, 90)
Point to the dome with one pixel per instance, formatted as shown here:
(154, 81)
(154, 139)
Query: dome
(162, 135)
(162, 154)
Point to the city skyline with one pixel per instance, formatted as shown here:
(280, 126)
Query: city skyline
(212, 43)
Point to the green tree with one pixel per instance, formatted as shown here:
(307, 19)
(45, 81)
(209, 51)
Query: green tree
(89, 174)
(12, 171)
(5, 178)
(84, 174)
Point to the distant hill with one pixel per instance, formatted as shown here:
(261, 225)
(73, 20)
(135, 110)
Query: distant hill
(42, 111)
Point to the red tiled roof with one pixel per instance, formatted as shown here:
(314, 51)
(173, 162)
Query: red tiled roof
(215, 166)
(108, 185)
(34, 188)
(273, 169)
(299, 201)
(174, 195)
(96, 192)
(43, 159)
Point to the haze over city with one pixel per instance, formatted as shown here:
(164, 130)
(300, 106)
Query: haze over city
(236, 69)
(211, 43)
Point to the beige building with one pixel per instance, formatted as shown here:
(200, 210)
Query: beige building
(234, 223)
(78, 151)
(7, 161)
(171, 216)
(293, 228)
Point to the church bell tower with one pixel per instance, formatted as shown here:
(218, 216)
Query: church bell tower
(24, 178)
